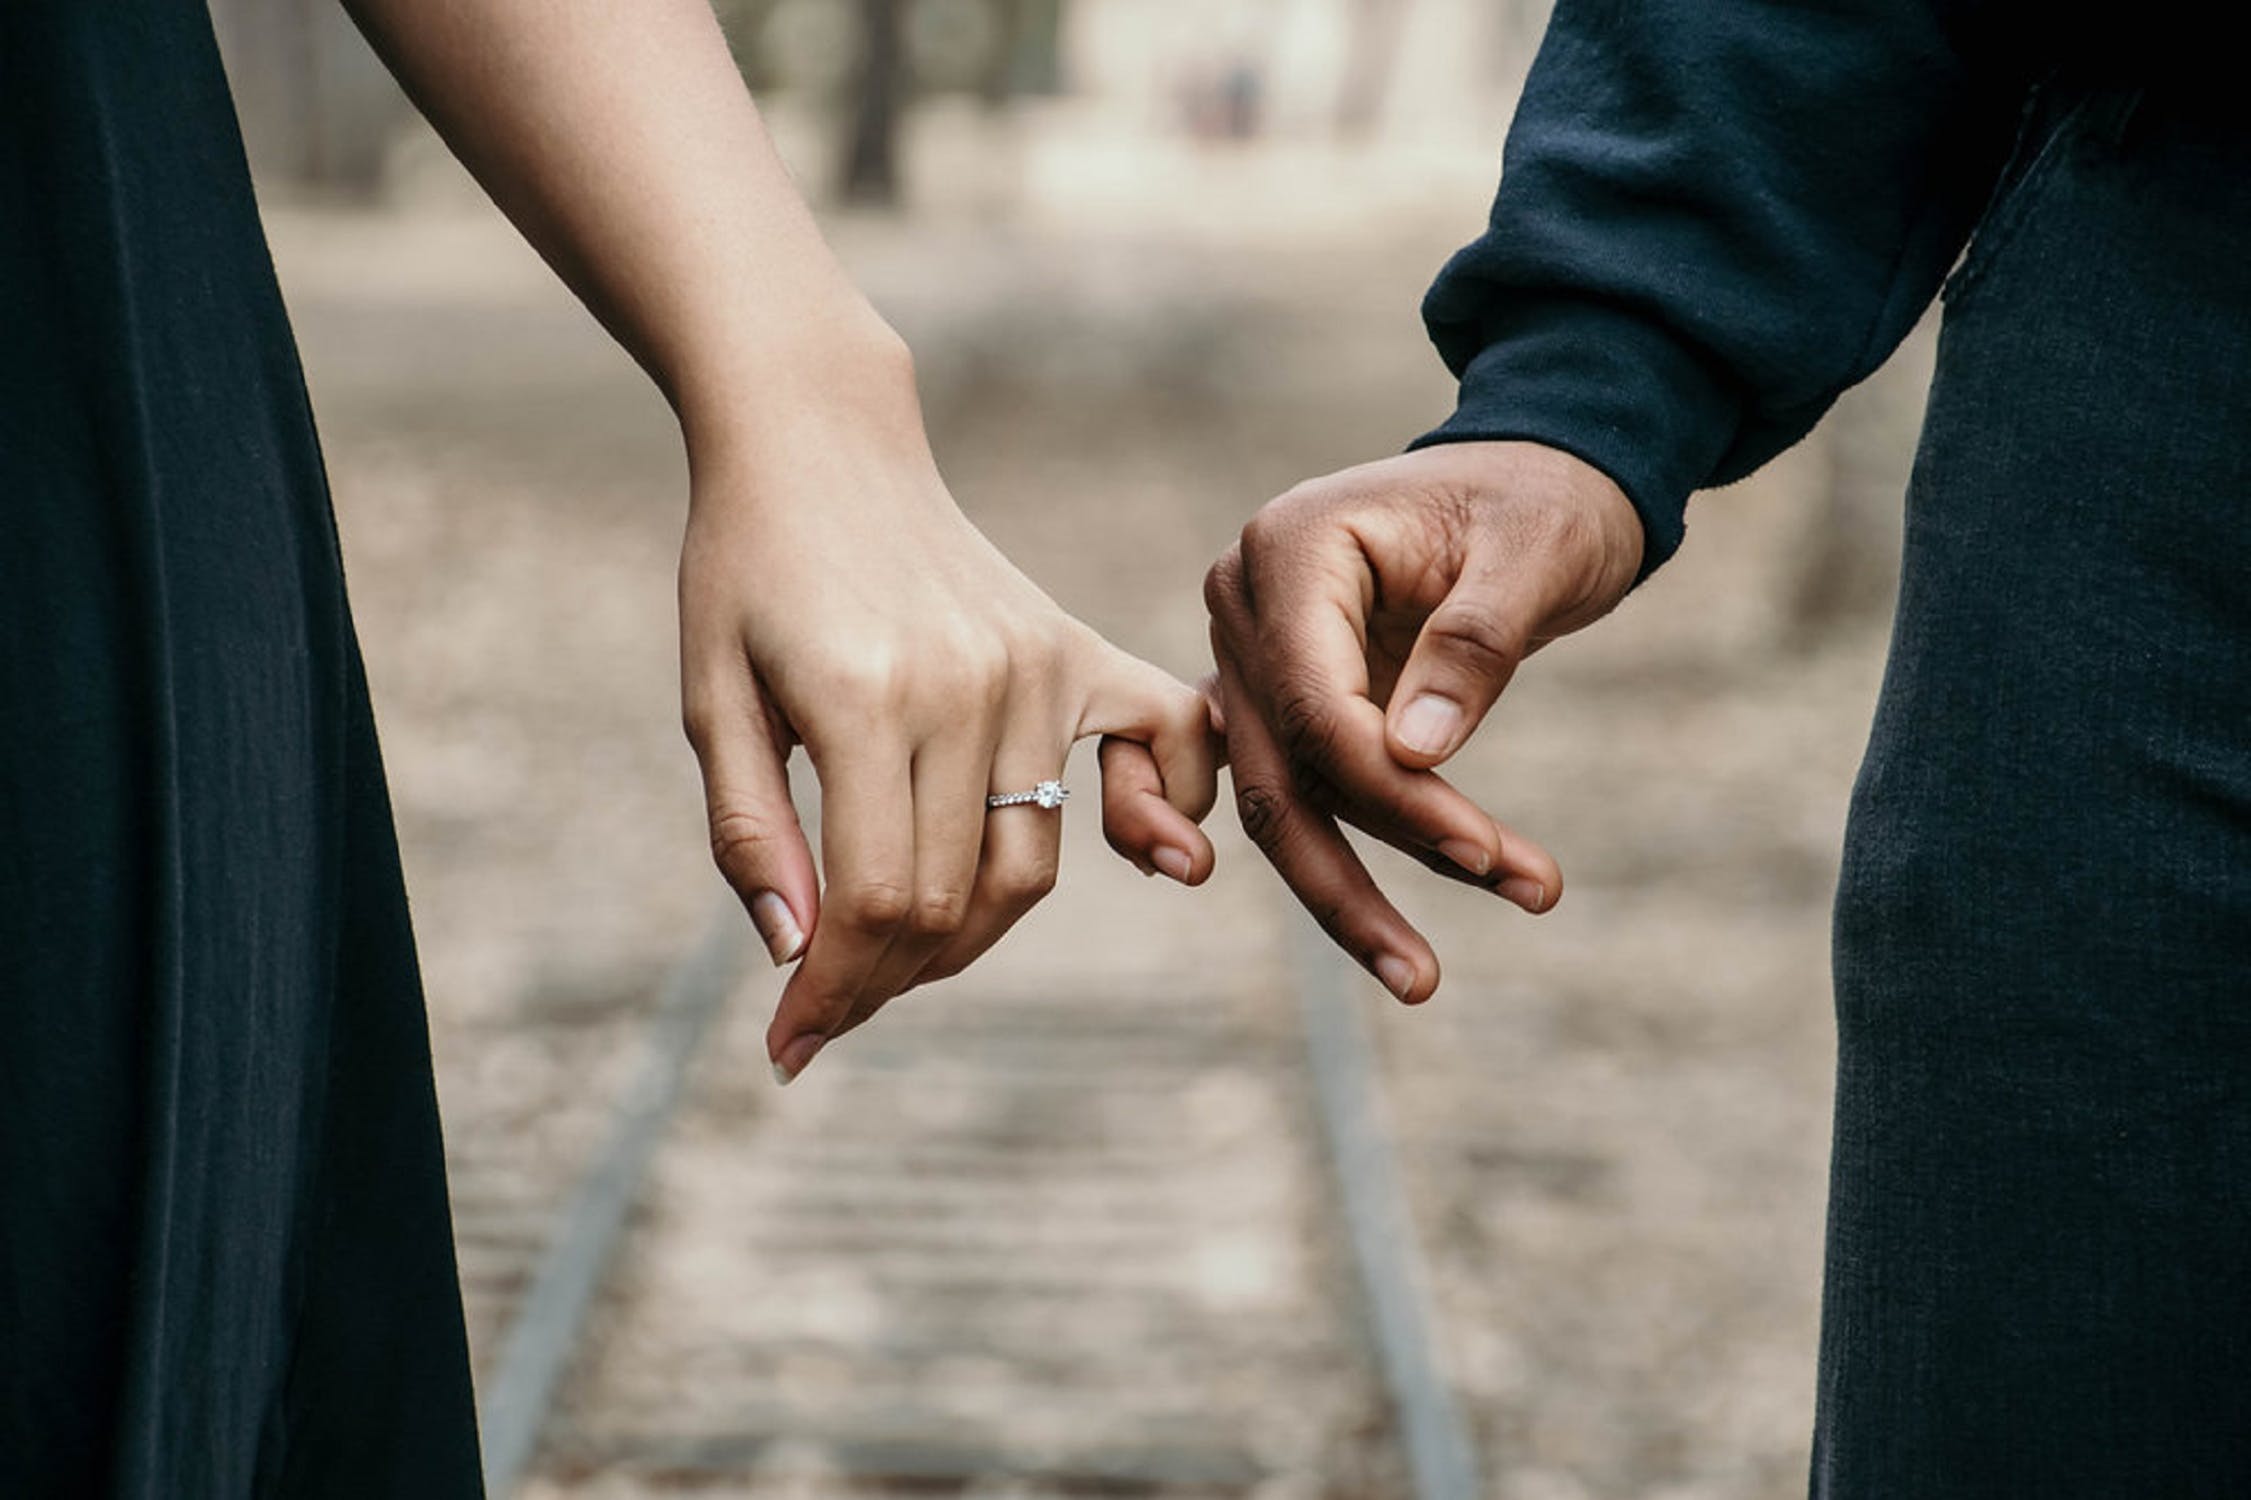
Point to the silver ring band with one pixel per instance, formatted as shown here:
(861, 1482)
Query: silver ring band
(1048, 794)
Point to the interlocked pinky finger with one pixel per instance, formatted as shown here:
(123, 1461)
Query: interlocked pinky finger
(1141, 823)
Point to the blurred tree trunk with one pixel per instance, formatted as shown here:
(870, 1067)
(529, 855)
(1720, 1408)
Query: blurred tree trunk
(871, 150)
(1847, 558)
(314, 103)
(1370, 60)
(1027, 57)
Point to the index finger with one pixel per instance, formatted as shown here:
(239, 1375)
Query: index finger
(1312, 856)
(1298, 621)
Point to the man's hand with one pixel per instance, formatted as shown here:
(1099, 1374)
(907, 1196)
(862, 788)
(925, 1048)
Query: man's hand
(1363, 626)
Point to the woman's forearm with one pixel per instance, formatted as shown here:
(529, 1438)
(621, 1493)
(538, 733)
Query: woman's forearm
(621, 141)
(832, 595)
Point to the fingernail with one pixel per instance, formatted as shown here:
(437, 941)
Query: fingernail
(1397, 974)
(777, 925)
(1429, 724)
(1174, 862)
(1525, 892)
(795, 1056)
(1466, 854)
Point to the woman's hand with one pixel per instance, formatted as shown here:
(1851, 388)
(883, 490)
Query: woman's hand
(832, 595)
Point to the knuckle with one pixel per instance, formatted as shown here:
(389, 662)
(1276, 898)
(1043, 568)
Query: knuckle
(952, 671)
(742, 842)
(1223, 581)
(1273, 529)
(1184, 713)
(1474, 629)
(1306, 723)
(1028, 653)
(861, 681)
(1281, 514)
(1264, 811)
(1029, 884)
(877, 905)
(820, 1010)
(938, 913)
(868, 674)
(975, 661)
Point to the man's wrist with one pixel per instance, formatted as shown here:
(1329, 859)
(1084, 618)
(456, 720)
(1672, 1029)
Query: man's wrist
(1566, 505)
(1605, 383)
(1623, 530)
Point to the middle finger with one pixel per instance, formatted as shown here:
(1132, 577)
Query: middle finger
(1298, 626)
(951, 773)
(1311, 854)
(868, 859)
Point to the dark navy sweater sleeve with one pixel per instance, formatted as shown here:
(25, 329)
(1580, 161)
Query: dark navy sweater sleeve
(1714, 216)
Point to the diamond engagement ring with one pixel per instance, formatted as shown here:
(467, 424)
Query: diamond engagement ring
(1048, 794)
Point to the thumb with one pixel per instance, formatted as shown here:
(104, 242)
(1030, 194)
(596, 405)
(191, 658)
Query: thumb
(756, 840)
(1465, 654)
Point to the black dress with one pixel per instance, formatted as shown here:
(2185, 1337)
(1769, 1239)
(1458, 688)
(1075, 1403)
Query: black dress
(225, 1260)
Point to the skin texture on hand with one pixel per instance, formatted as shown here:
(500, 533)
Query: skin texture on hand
(833, 596)
(831, 593)
(1363, 625)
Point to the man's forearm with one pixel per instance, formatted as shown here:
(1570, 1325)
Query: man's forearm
(1714, 216)
(621, 141)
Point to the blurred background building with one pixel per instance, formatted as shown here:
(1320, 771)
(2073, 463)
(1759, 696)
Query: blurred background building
(1071, 1223)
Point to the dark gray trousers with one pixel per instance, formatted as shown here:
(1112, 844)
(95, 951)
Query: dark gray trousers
(2039, 1260)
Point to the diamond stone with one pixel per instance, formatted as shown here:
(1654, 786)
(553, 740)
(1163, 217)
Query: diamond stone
(1049, 794)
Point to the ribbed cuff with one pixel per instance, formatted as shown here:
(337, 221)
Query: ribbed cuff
(1604, 385)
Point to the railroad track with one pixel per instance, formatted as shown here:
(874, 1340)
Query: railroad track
(1122, 1243)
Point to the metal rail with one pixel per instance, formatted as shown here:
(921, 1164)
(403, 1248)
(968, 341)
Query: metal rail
(1440, 1457)
(548, 1322)
(929, 1461)
(1347, 1101)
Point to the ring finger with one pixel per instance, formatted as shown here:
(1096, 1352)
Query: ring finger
(1023, 849)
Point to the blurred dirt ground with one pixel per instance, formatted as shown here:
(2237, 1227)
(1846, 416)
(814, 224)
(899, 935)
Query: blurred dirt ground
(1613, 1119)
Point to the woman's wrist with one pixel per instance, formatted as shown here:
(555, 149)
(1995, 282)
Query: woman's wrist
(839, 367)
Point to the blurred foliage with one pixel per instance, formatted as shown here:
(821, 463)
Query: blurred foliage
(996, 49)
